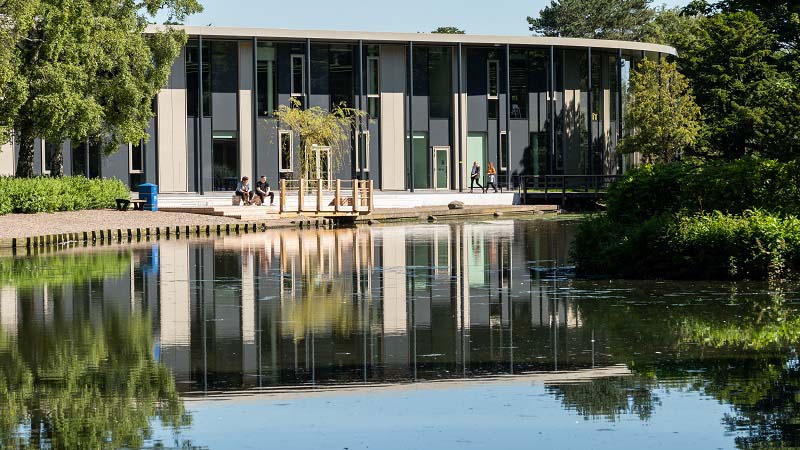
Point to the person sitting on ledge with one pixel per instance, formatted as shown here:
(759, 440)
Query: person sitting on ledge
(243, 190)
(263, 190)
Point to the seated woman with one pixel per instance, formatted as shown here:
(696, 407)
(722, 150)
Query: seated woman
(243, 190)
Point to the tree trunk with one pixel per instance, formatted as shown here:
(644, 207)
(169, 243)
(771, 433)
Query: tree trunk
(25, 159)
(57, 164)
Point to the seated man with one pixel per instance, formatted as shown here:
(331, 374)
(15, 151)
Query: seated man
(243, 190)
(263, 190)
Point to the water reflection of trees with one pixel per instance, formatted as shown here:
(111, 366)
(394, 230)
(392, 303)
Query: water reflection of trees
(78, 385)
(738, 351)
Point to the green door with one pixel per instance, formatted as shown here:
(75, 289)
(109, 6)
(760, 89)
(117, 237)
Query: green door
(441, 173)
(476, 151)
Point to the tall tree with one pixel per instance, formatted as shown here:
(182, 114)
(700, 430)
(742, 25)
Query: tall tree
(89, 72)
(782, 17)
(448, 30)
(730, 69)
(603, 19)
(663, 111)
(15, 19)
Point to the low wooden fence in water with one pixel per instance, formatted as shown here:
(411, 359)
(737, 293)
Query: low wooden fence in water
(329, 198)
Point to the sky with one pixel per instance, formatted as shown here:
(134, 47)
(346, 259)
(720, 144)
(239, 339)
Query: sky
(501, 17)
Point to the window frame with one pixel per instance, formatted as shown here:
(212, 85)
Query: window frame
(504, 152)
(363, 165)
(377, 93)
(302, 92)
(489, 95)
(282, 169)
(45, 169)
(130, 158)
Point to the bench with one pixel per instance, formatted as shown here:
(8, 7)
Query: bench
(123, 203)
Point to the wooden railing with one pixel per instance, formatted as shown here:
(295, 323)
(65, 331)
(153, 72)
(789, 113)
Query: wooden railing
(331, 197)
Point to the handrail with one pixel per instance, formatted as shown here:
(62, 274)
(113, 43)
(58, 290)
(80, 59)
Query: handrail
(558, 185)
(359, 201)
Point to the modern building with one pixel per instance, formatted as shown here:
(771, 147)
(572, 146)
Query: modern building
(435, 104)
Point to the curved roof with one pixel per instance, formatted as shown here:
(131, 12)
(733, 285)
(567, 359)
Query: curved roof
(373, 36)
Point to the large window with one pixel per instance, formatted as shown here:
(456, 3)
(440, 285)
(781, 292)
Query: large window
(493, 79)
(340, 64)
(439, 76)
(285, 147)
(225, 158)
(518, 65)
(503, 163)
(267, 79)
(298, 87)
(49, 149)
(422, 160)
(373, 81)
(136, 164)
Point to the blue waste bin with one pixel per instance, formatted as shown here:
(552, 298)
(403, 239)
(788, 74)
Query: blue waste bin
(149, 193)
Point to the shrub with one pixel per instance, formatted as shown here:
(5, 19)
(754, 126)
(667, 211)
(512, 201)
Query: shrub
(691, 188)
(45, 194)
(752, 245)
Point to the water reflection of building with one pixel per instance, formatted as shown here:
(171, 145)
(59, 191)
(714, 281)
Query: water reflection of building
(347, 305)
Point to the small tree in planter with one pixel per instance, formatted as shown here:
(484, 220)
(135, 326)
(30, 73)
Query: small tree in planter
(317, 126)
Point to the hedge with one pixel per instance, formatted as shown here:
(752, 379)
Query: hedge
(731, 187)
(753, 245)
(46, 194)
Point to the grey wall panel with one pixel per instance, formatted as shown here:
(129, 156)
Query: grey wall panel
(172, 162)
(393, 88)
(518, 147)
(207, 154)
(267, 142)
(116, 164)
(420, 111)
(67, 157)
(37, 156)
(7, 160)
(475, 87)
(477, 113)
(225, 111)
(151, 153)
(191, 145)
(440, 133)
(375, 153)
(492, 144)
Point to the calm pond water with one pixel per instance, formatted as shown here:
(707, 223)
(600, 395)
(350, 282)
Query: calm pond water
(440, 336)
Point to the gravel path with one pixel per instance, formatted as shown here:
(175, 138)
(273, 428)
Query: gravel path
(24, 225)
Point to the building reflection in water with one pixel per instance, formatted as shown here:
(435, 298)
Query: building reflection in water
(366, 305)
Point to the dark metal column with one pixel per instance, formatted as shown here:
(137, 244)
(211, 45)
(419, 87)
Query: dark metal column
(200, 114)
(461, 117)
(411, 113)
(255, 114)
(552, 103)
(359, 123)
(619, 97)
(590, 117)
(308, 73)
(508, 118)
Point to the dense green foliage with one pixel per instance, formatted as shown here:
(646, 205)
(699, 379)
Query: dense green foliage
(45, 194)
(448, 30)
(85, 70)
(718, 220)
(604, 19)
(663, 110)
(754, 245)
(63, 268)
(689, 188)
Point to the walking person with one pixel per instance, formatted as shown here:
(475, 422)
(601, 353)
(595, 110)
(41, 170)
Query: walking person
(475, 176)
(491, 177)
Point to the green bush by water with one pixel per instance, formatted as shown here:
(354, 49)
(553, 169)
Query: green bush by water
(731, 187)
(752, 245)
(46, 194)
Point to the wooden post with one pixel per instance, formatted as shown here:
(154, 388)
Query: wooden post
(337, 196)
(371, 196)
(282, 202)
(300, 194)
(319, 195)
(355, 195)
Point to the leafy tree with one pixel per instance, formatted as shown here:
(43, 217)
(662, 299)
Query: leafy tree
(604, 19)
(448, 30)
(88, 71)
(782, 17)
(317, 126)
(730, 69)
(663, 110)
(672, 26)
(16, 17)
